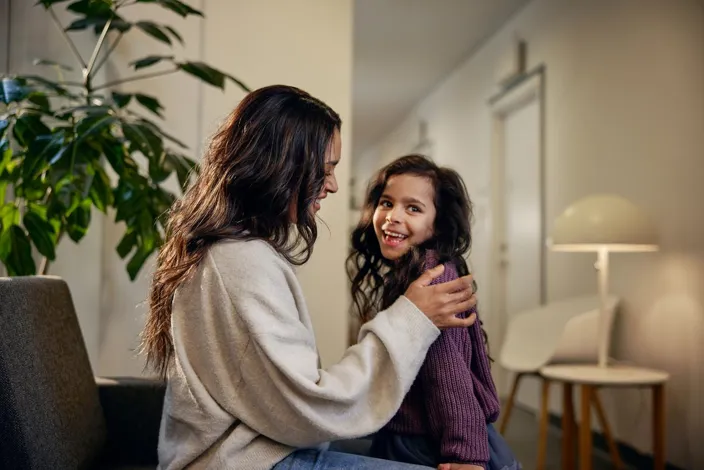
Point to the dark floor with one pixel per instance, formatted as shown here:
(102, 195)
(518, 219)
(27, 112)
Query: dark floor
(522, 436)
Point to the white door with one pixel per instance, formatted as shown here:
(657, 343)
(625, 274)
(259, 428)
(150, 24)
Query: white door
(518, 262)
(522, 192)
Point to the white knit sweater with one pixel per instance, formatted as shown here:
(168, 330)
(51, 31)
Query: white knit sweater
(245, 388)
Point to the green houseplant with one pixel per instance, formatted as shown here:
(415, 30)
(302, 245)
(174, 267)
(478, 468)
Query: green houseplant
(60, 140)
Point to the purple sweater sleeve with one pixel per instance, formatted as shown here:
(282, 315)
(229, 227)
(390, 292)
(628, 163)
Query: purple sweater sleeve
(456, 418)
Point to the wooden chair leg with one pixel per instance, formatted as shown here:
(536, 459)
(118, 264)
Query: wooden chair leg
(543, 434)
(606, 429)
(509, 404)
(585, 428)
(659, 427)
(568, 427)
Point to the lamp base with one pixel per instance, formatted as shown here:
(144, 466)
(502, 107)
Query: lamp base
(606, 315)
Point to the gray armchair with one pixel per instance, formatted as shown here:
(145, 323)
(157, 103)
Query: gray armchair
(53, 412)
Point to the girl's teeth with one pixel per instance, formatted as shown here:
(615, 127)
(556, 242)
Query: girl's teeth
(395, 235)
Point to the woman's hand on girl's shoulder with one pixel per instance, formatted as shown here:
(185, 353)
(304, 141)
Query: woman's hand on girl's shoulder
(459, 466)
(441, 303)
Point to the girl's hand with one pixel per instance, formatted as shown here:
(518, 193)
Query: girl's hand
(442, 302)
(459, 466)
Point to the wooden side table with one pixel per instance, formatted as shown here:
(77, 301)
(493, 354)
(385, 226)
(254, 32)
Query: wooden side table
(590, 378)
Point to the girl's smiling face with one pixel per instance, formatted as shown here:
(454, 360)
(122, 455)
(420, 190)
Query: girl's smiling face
(405, 215)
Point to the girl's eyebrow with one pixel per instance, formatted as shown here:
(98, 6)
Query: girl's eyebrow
(412, 200)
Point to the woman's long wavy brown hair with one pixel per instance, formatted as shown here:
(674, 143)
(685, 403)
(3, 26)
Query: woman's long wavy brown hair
(264, 168)
(376, 282)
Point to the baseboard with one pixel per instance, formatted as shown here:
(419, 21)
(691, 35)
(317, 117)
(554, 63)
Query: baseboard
(630, 456)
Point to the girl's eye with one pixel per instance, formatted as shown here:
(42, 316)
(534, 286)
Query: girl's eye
(414, 208)
(385, 204)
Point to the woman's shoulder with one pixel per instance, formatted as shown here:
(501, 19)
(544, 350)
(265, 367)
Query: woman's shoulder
(253, 248)
(246, 257)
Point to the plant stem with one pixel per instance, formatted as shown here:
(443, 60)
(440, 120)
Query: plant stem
(107, 54)
(44, 266)
(96, 51)
(132, 79)
(66, 37)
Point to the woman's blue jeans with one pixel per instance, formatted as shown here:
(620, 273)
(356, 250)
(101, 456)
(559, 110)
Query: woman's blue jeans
(331, 460)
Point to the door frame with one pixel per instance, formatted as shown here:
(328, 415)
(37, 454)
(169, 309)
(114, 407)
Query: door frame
(525, 90)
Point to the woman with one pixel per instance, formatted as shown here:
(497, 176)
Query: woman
(228, 325)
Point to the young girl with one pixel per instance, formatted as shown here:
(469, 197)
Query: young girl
(416, 216)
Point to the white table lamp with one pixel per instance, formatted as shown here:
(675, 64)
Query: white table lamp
(603, 223)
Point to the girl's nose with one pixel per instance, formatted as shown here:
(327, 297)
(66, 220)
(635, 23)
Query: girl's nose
(393, 216)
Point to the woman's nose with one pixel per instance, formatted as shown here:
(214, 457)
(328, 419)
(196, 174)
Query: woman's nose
(331, 184)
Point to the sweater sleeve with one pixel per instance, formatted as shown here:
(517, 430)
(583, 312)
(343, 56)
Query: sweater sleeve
(455, 415)
(280, 390)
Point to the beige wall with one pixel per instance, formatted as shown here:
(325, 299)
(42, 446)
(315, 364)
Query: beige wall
(625, 114)
(309, 46)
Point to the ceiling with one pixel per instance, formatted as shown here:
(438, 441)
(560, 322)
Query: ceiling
(404, 48)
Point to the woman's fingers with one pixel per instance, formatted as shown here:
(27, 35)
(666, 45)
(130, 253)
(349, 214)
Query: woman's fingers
(427, 277)
(461, 284)
(462, 322)
(461, 297)
(441, 303)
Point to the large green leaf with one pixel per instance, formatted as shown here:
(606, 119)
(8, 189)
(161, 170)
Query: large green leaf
(42, 211)
(174, 33)
(79, 221)
(204, 72)
(183, 166)
(52, 63)
(48, 85)
(135, 264)
(12, 90)
(92, 126)
(28, 128)
(149, 61)
(41, 100)
(151, 103)
(121, 99)
(98, 23)
(71, 112)
(116, 155)
(100, 8)
(42, 234)
(176, 6)
(158, 170)
(38, 153)
(210, 75)
(16, 252)
(157, 130)
(128, 242)
(239, 83)
(143, 139)
(9, 215)
(154, 30)
(3, 190)
(100, 190)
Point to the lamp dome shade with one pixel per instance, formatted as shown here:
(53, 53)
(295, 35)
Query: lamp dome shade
(603, 221)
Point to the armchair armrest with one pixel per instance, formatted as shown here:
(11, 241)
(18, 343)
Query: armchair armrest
(132, 408)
